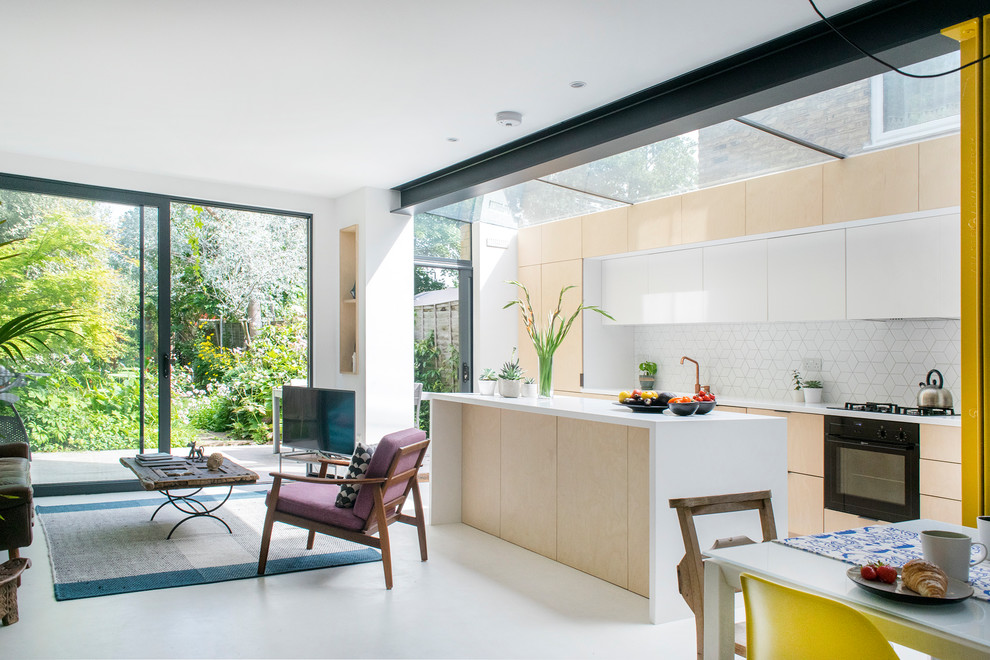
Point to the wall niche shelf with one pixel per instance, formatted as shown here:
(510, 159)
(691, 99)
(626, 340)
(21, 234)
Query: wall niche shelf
(348, 305)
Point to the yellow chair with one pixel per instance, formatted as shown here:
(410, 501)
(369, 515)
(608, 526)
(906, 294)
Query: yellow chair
(783, 623)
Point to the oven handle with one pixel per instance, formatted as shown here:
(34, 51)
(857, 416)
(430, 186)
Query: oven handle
(903, 446)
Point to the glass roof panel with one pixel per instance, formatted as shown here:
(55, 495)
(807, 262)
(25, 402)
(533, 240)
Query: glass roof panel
(874, 113)
(530, 203)
(664, 168)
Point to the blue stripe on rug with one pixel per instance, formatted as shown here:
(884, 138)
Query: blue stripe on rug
(128, 504)
(149, 581)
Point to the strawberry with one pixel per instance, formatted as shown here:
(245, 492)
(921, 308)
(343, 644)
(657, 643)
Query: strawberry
(868, 572)
(886, 573)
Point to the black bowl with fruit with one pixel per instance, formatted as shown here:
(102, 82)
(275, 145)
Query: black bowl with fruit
(706, 402)
(682, 406)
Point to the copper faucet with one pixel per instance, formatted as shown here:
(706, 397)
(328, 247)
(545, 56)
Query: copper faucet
(697, 373)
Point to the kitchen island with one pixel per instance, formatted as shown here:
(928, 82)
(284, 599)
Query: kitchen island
(586, 482)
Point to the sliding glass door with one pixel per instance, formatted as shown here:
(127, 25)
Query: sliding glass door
(167, 322)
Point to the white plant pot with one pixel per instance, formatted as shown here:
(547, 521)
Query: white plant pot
(812, 394)
(530, 390)
(486, 387)
(797, 396)
(509, 388)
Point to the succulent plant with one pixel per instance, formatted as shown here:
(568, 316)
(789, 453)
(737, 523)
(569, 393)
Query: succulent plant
(511, 369)
(488, 374)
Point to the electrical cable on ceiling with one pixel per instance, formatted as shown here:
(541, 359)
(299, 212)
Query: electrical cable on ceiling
(887, 64)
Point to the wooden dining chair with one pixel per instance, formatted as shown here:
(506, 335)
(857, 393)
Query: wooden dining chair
(309, 502)
(691, 570)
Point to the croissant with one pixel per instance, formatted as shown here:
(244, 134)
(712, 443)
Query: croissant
(924, 577)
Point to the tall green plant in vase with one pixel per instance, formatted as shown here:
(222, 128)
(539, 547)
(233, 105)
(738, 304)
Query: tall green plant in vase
(548, 336)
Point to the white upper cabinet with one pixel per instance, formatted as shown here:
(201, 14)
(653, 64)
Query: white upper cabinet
(736, 282)
(806, 277)
(907, 269)
(675, 288)
(624, 289)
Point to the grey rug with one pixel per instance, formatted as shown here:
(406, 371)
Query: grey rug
(108, 548)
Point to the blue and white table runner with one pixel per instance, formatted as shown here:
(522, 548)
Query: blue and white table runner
(889, 545)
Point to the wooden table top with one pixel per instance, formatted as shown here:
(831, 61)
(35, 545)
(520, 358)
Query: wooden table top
(192, 474)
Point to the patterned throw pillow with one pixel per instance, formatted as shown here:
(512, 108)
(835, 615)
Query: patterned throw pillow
(360, 461)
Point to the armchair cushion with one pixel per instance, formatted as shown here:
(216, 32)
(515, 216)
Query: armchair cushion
(311, 501)
(360, 461)
(380, 462)
(14, 449)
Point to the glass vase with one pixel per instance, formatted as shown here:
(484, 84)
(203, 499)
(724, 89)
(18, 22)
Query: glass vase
(546, 376)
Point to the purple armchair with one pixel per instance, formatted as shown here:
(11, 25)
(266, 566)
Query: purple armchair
(309, 502)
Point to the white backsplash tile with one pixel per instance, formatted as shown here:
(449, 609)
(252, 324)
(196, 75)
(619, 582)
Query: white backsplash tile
(861, 360)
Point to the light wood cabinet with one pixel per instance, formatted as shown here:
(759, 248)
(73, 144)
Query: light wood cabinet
(348, 267)
(805, 440)
(568, 360)
(941, 443)
(940, 479)
(639, 511)
(806, 277)
(940, 508)
(714, 213)
(675, 290)
(939, 173)
(530, 246)
(836, 521)
(915, 252)
(604, 233)
(528, 481)
(561, 240)
(532, 278)
(654, 224)
(788, 200)
(805, 504)
(592, 523)
(481, 459)
(871, 186)
(735, 281)
(734, 409)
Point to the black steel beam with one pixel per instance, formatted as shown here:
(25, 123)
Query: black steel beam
(797, 64)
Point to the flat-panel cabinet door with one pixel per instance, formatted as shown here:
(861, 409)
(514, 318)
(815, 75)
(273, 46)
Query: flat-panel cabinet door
(806, 277)
(951, 263)
(736, 282)
(892, 270)
(675, 292)
(624, 289)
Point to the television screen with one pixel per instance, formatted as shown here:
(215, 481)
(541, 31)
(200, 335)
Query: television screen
(318, 419)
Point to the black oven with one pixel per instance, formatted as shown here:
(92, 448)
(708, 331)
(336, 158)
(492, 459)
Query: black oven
(871, 468)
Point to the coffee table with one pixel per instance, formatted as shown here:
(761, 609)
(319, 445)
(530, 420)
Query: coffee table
(183, 474)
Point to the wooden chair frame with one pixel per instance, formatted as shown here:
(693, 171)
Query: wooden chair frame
(382, 513)
(691, 569)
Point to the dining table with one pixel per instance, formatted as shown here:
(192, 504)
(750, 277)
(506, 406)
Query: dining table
(947, 630)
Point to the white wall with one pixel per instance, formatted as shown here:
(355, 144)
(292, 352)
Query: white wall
(384, 383)
(609, 362)
(495, 329)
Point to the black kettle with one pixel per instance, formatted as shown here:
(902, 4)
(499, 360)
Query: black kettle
(932, 394)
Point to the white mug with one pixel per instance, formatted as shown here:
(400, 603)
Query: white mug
(951, 552)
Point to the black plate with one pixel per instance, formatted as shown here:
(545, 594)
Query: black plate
(955, 592)
(639, 407)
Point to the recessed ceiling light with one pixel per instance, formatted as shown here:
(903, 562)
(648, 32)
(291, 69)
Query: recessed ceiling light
(453, 139)
(578, 84)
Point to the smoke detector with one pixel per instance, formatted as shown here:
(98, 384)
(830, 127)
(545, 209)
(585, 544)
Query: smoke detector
(508, 118)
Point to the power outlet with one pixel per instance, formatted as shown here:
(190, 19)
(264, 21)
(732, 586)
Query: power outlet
(811, 365)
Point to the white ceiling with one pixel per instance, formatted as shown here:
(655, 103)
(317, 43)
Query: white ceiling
(327, 96)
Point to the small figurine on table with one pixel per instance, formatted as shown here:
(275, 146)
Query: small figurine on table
(195, 453)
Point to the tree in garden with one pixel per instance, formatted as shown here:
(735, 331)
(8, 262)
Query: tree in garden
(245, 263)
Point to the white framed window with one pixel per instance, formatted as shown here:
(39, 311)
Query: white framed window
(906, 109)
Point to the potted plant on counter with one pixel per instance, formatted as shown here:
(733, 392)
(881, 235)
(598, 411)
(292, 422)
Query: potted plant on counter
(647, 375)
(796, 394)
(510, 379)
(529, 388)
(548, 337)
(486, 382)
(812, 391)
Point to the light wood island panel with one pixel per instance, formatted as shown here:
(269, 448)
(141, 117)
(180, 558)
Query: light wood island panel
(481, 461)
(528, 486)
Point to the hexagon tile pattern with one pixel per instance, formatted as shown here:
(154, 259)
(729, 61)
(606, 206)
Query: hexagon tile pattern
(879, 361)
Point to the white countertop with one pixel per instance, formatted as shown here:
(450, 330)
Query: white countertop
(593, 410)
(818, 409)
